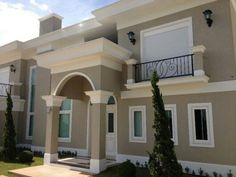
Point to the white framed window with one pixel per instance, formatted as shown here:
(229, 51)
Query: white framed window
(4, 75)
(172, 115)
(200, 120)
(31, 103)
(137, 124)
(65, 121)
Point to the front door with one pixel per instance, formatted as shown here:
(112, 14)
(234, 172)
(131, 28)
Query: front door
(111, 131)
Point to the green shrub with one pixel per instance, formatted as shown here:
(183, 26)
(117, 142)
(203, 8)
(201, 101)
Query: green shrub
(26, 156)
(126, 169)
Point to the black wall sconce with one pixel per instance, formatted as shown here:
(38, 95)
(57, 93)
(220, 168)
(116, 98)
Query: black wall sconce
(131, 37)
(207, 14)
(12, 68)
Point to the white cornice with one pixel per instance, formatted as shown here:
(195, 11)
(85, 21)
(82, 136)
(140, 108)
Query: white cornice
(99, 96)
(199, 48)
(97, 52)
(53, 101)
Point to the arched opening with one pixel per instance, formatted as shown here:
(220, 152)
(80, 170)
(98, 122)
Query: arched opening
(74, 115)
(111, 128)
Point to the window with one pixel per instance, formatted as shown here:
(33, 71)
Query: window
(64, 133)
(172, 116)
(201, 125)
(4, 75)
(31, 102)
(110, 123)
(137, 124)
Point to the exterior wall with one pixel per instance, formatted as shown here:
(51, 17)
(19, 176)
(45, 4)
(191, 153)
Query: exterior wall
(223, 108)
(218, 39)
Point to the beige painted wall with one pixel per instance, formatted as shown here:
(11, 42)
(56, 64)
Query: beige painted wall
(224, 121)
(218, 39)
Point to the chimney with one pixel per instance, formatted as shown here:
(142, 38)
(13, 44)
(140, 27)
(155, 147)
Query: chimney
(50, 23)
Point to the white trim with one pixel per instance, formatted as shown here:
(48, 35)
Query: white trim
(173, 109)
(186, 22)
(70, 112)
(132, 138)
(99, 96)
(28, 105)
(68, 77)
(97, 165)
(88, 128)
(207, 167)
(131, 61)
(53, 101)
(191, 122)
(50, 16)
(199, 49)
(213, 87)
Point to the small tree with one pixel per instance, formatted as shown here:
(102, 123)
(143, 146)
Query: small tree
(162, 161)
(9, 134)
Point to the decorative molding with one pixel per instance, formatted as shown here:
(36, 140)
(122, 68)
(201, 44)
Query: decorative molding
(99, 96)
(97, 165)
(131, 61)
(53, 101)
(51, 15)
(206, 167)
(199, 49)
(199, 72)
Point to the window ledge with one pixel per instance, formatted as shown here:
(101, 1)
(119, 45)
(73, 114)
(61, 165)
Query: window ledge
(64, 140)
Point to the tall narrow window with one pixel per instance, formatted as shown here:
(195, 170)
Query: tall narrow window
(137, 124)
(172, 118)
(201, 125)
(31, 102)
(65, 115)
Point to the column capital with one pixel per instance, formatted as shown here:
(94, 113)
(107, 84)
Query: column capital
(53, 101)
(131, 62)
(199, 49)
(99, 96)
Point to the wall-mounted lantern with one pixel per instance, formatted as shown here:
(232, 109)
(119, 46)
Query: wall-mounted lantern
(12, 68)
(207, 14)
(131, 37)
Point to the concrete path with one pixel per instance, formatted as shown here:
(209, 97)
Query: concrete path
(47, 171)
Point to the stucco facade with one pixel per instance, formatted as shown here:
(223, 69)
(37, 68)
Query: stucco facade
(92, 67)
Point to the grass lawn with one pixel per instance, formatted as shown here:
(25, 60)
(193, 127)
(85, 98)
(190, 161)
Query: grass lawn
(111, 172)
(5, 167)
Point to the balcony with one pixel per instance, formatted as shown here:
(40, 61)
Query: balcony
(178, 66)
(4, 88)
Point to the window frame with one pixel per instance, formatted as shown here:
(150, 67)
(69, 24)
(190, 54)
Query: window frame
(29, 113)
(192, 127)
(68, 139)
(173, 109)
(132, 138)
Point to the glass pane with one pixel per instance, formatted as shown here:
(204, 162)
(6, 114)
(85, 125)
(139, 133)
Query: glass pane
(110, 123)
(66, 105)
(31, 125)
(169, 116)
(33, 76)
(138, 124)
(201, 124)
(32, 98)
(64, 125)
(111, 100)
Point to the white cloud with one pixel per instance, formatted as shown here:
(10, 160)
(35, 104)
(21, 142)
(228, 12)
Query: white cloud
(43, 7)
(17, 23)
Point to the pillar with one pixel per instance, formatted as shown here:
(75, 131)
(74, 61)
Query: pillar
(198, 65)
(131, 70)
(53, 104)
(99, 100)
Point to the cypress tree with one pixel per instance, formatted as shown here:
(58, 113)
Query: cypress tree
(9, 134)
(162, 160)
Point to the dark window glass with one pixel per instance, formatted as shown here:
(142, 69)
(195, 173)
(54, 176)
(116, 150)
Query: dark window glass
(169, 116)
(111, 100)
(201, 124)
(110, 123)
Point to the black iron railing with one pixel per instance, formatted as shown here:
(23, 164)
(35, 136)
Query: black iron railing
(4, 88)
(166, 68)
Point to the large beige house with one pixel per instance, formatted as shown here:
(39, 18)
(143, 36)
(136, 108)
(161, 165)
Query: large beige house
(85, 88)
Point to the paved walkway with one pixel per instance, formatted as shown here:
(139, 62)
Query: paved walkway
(47, 171)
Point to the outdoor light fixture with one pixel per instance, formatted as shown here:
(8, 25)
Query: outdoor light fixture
(207, 14)
(12, 68)
(131, 37)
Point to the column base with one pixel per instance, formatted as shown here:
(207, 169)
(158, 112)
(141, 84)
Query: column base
(49, 158)
(97, 165)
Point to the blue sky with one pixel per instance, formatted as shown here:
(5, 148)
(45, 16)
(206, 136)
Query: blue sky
(19, 18)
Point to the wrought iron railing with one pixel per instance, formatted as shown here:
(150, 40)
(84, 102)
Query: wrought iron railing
(4, 88)
(166, 68)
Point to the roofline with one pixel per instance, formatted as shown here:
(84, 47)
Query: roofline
(49, 16)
